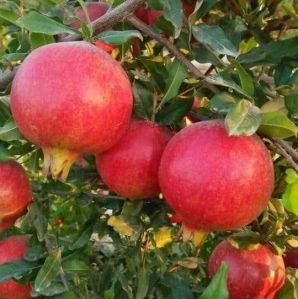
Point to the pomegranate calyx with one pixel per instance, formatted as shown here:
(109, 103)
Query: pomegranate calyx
(196, 236)
(58, 161)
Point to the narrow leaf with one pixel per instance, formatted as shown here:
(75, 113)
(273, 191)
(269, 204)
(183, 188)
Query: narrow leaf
(119, 37)
(246, 80)
(243, 119)
(172, 12)
(9, 132)
(35, 22)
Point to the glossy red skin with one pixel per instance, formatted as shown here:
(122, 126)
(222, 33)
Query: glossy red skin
(291, 258)
(95, 10)
(72, 96)
(15, 193)
(214, 181)
(252, 273)
(148, 15)
(188, 7)
(11, 249)
(130, 168)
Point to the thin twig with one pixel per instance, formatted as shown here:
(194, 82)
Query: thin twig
(281, 151)
(288, 148)
(171, 48)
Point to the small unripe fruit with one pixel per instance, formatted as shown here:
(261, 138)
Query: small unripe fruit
(11, 249)
(215, 181)
(130, 168)
(15, 193)
(291, 258)
(253, 273)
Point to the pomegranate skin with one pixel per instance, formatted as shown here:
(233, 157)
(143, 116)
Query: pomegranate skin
(215, 181)
(130, 168)
(15, 193)
(148, 15)
(95, 10)
(71, 98)
(188, 7)
(291, 258)
(254, 273)
(11, 249)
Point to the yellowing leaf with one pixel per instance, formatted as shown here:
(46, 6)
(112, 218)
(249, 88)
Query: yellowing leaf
(162, 237)
(189, 262)
(274, 105)
(120, 225)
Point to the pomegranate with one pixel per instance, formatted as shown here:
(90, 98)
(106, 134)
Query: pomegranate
(148, 15)
(291, 258)
(188, 7)
(95, 10)
(253, 273)
(15, 193)
(69, 99)
(130, 168)
(11, 249)
(213, 180)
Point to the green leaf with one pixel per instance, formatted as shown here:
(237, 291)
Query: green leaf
(277, 125)
(75, 266)
(143, 283)
(222, 102)
(174, 111)
(8, 15)
(143, 100)
(243, 119)
(217, 289)
(84, 236)
(40, 39)
(49, 271)
(290, 287)
(205, 7)
(214, 37)
(172, 12)
(178, 286)
(119, 37)
(16, 268)
(53, 289)
(246, 80)
(35, 22)
(289, 197)
(177, 73)
(9, 132)
(219, 80)
(291, 102)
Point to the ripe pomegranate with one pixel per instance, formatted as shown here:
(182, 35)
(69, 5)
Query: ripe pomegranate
(148, 15)
(15, 193)
(130, 168)
(11, 249)
(252, 273)
(69, 99)
(213, 180)
(95, 10)
(188, 7)
(291, 258)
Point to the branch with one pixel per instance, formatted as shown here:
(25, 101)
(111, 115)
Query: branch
(7, 78)
(103, 23)
(112, 17)
(287, 148)
(281, 151)
(171, 48)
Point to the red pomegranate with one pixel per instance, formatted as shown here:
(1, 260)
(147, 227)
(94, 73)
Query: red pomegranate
(69, 99)
(95, 10)
(188, 7)
(254, 273)
(213, 180)
(148, 15)
(11, 249)
(130, 168)
(291, 258)
(15, 193)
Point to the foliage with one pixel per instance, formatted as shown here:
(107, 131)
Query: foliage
(85, 241)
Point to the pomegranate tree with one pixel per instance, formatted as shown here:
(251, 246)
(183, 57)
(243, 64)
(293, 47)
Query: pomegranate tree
(15, 193)
(69, 99)
(253, 273)
(213, 180)
(130, 168)
(11, 249)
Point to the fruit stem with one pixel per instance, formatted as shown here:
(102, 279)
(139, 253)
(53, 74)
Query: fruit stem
(58, 161)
